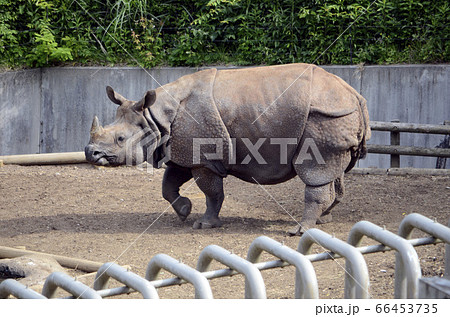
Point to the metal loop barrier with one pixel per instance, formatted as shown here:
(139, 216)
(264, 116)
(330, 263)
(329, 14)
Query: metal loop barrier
(407, 268)
(18, 290)
(163, 261)
(356, 277)
(425, 224)
(356, 273)
(447, 257)
(130, 279)
(305, 277)
(67, 283)
(254, 282)
(429, 226)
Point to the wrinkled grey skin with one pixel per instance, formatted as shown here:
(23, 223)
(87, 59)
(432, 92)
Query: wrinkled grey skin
(300, 102)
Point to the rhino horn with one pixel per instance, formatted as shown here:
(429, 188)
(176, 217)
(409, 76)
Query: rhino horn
(96, 127)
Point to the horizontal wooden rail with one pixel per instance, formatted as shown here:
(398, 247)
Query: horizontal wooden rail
(407, 150)
(78, 264)
(409, 127)
(46, 158)
(395, 150)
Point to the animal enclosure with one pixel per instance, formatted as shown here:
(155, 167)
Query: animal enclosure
(118, 214)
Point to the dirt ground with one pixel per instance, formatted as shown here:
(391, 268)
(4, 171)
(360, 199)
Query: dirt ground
(118, 214)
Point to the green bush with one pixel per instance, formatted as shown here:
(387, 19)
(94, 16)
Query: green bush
(35, 33)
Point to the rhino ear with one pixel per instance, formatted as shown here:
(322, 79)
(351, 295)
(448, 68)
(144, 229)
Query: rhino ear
(114, 96)
(148, 100)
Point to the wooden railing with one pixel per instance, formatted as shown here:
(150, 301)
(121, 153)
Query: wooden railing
(395, 149)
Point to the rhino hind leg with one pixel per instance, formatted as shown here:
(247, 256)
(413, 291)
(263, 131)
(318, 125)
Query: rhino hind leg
(174, 177)
(318, 202)
(323, 175)
(211, 185)
(339, 190)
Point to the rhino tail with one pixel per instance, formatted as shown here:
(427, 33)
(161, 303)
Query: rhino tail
(356, 153)
(360, 151)
(365, 118)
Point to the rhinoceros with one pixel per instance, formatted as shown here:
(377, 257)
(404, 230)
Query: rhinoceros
(263, 125)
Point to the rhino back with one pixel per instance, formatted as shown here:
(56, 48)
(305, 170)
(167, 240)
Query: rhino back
(264, 102)
(253, 103)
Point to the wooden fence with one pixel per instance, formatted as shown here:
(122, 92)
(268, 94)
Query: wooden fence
(395, 149)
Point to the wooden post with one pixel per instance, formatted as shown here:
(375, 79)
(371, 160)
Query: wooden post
(395, 140)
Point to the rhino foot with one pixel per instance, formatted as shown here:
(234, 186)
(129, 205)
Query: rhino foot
(296, 231)
(207, 223)
(299, 229)
(324, 219)
(183, 208)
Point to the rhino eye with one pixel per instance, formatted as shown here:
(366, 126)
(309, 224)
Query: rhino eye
(120, 138)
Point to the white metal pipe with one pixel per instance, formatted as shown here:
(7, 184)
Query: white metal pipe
(429, 226)
(305, 277)
(18, 290)
(356, 275)
(447, 257)
(255, 287)
(130, 279)
(163, 261)
(265, 266)
(425, 224)
(69, 284)
(408, 267)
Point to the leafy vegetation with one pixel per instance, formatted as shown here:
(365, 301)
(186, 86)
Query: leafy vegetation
(35, 33)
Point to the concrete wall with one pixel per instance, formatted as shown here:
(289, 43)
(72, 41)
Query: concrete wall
(51, 109)
(20, 94)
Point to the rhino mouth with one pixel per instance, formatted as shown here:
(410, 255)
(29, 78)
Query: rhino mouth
(107, 160)
(101, 158)
(101, 161)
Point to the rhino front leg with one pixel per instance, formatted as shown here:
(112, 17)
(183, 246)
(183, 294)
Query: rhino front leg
(318, 202)
(211, 185)
(174, 177)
